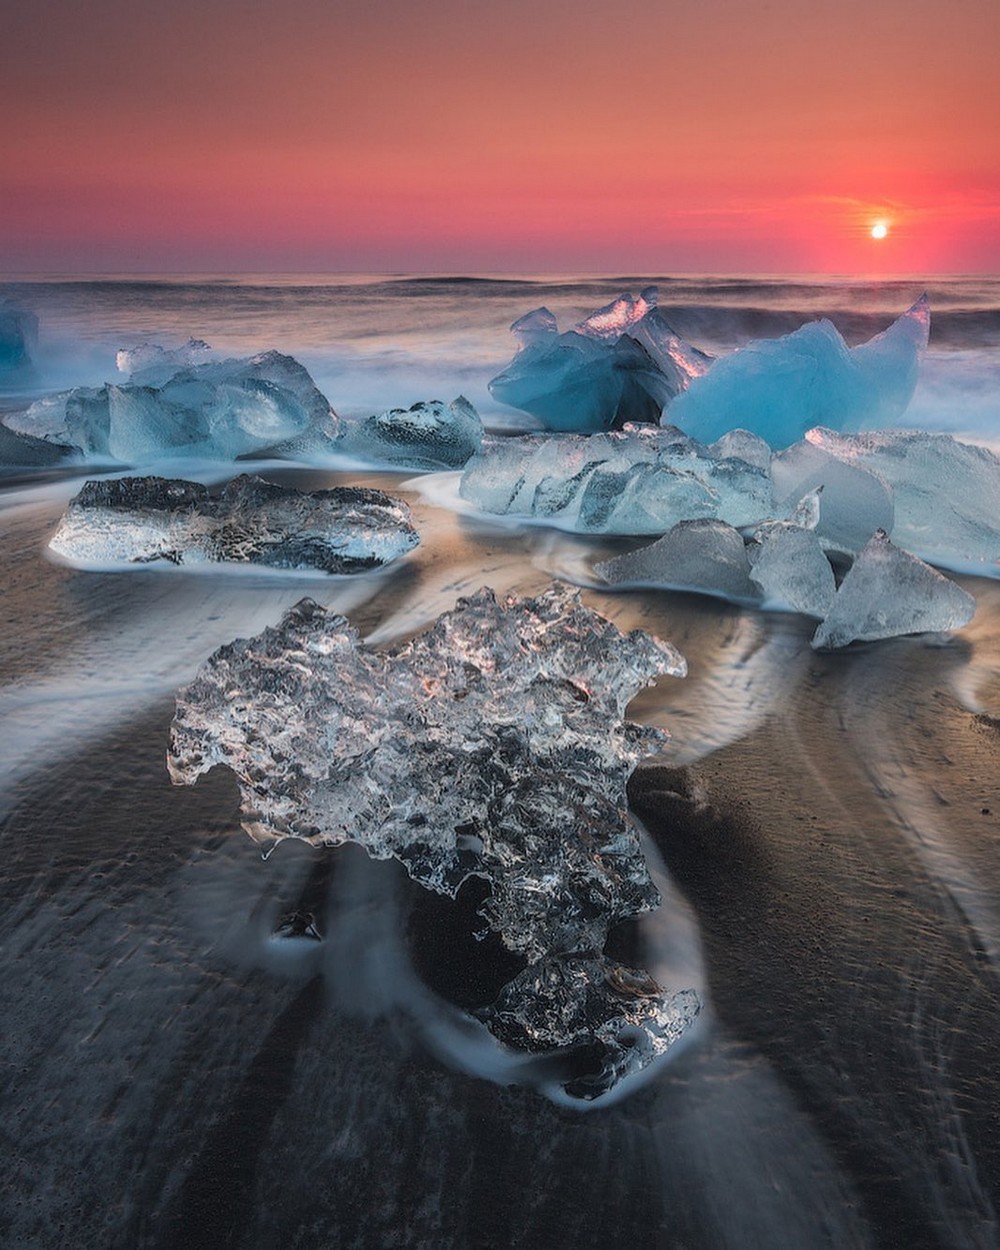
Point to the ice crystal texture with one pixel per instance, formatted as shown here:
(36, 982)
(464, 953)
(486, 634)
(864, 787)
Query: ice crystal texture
(888, 592)
(267, 404)
(430, 435)
(639, 480)
(780, 388)
(493, 746)
(144, 519)
(621, 364)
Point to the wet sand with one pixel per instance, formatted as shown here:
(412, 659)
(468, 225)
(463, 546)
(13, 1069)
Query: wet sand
(173, 1077)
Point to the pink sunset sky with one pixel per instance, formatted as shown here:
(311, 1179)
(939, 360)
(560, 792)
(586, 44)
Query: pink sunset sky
(725, 136)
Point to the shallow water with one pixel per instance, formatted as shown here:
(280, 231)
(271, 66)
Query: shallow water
(824, 829)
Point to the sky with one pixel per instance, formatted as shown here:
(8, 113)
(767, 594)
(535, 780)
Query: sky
(530, 136)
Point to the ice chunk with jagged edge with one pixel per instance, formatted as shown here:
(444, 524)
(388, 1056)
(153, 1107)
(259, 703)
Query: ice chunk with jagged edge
(780, 388)
(855, 501)
(614, 319)
(149, 364)
(138, 520)
(945, 492)
(789, 565)
(707, 556)
(430, 435)
(577, 1001)
(493, 745)
(267, 405)
(888, 592)
(640, 480)
(621, 364)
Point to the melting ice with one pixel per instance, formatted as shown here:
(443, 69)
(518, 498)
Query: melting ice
(492, 746)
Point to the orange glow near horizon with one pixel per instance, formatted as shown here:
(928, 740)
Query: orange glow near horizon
(530, 138)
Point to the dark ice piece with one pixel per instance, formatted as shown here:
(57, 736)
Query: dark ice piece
(137, 520)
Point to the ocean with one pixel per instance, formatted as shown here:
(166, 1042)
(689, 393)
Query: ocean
(824, 830)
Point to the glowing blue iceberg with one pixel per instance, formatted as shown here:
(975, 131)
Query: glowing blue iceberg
(780, 388)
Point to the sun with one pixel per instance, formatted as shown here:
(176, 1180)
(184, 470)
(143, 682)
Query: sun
(879, 230)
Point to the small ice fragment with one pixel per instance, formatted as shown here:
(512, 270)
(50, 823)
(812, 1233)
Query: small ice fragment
(706, 555)
(138, 520)
(888, 592)
(780, 388)
(787, 562)
(149, 364)
(806, 512)
(583, 999)
(430, 435)
(742, 445)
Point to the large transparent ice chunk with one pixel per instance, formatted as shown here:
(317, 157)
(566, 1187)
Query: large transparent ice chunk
(138, 520)
(707, 556)
(780, 388)
(946, 494)
(855, 501)
(640, 480)
(888, 592)
(430, 435)
(620, 364)
(493, 746)
(221, 410)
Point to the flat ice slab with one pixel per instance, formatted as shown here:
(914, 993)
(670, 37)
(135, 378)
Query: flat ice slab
(140, 520)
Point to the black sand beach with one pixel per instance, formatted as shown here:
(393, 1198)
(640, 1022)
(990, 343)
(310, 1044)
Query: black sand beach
(174, 1078)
